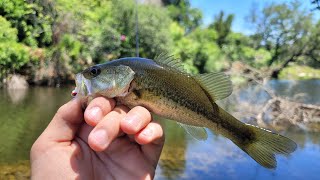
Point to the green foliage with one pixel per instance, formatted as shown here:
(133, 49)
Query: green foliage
(181, 12)
(223, 27)
(32, 20)
(90, 27)
(289, 33)
(239, 48)
(198, 50)
(6, 32)
(12, 54)
(80, 30)
(153, 28)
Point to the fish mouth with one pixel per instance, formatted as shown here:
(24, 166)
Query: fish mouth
(83, 86)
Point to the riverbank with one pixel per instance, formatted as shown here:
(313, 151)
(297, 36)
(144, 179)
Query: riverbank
(299, 73)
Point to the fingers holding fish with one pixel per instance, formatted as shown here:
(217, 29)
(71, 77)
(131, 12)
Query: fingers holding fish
(97, 109)
(107, 129)
(152, 133)
(135, 120)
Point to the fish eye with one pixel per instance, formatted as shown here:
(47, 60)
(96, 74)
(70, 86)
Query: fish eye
(95, 71)
(91, 72)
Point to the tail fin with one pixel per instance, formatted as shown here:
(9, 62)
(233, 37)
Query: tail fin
(266, 145)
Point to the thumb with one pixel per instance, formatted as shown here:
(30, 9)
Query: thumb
(65, 123)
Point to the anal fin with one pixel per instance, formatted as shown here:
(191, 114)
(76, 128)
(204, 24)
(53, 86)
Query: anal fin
(196, 132)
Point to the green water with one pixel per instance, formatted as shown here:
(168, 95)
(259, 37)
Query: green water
(24, 115)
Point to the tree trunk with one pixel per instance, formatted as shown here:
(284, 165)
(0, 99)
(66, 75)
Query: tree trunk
(275, 73)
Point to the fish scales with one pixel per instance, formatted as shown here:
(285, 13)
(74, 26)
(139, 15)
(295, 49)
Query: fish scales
(182, 98)
(160, 86)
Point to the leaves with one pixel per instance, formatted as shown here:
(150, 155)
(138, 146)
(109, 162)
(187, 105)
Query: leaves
(12, 54)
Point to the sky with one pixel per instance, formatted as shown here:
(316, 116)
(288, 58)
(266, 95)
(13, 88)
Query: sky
(240, 9)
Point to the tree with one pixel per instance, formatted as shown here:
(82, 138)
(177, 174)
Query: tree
(197, 50)
(13, 55)
(286, 31)
(31, 31)
(153, 23)
(90, 32)
(182, 12)
(240, 48)
(222, 26)
(32, 20)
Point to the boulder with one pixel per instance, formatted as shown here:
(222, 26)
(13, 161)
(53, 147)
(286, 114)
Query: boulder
(16, 82)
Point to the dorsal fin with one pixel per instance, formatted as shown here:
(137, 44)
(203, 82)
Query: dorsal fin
(218, 85)
(169, 60)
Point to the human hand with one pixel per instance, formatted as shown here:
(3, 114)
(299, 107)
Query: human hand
(113, 143)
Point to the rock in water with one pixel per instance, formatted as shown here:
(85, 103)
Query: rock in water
(16, 82)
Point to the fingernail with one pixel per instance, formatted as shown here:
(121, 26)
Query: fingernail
(147, 132)
(133, 120)
(95, 114)
(100, 138)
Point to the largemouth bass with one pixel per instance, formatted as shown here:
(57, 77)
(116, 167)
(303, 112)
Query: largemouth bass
(164, 88)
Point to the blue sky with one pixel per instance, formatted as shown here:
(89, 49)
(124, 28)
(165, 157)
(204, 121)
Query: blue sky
(240, 8)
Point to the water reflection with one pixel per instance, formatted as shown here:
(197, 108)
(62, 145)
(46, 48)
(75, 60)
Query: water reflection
(17, 95)
(22, 121)
(173, 156)
(308, 89)
(218, 158)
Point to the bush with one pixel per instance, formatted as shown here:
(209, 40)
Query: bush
(13, 55)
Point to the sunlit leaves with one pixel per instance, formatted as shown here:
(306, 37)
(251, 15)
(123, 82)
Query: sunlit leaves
(32, 20)
(12, 54)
